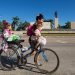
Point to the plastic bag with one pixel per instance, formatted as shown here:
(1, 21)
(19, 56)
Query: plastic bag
(13, 38)
(42, 40)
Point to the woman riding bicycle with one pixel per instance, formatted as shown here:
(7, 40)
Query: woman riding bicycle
(34, 33)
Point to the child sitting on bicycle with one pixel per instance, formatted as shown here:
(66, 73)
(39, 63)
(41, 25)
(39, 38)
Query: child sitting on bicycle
(7, 35)
(34, 33)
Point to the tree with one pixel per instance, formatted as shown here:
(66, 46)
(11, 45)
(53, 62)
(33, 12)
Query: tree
(15, 22)
(59, 26)
(26, 24)
(2, 24)
(23, 25)
(68, 25)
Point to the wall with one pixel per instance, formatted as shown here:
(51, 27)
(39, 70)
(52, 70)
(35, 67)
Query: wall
(72, 25)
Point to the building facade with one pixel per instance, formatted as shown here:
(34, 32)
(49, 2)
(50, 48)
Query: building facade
(46, 25)
(72, 25)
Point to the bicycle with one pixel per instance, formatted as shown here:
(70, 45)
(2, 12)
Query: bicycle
(42, 56)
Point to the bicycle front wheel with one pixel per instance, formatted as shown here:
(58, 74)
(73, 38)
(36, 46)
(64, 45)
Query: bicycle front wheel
(47, 60)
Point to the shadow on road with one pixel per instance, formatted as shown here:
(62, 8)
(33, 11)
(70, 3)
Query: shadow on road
(7, 64)
(30, 67)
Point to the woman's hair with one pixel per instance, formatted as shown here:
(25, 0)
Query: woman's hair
(40, 16)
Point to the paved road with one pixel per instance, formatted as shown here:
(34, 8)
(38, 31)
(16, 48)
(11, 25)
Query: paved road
(64, 47)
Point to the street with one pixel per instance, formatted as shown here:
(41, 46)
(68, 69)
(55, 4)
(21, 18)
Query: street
(64, 46)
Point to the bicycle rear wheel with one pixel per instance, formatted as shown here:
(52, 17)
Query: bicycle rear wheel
(47, 60)
(8, 59)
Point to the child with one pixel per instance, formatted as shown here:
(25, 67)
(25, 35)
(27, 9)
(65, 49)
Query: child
(7, 32)
(8, 36)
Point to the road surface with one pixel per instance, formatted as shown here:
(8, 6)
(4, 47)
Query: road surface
(64, 46)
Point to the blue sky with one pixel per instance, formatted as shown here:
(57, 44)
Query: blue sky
(28, 9)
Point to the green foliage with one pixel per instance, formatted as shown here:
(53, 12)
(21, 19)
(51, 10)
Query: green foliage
(1, 26)
(23, 25)
(68, 25)
(59, 26)
(15, 22)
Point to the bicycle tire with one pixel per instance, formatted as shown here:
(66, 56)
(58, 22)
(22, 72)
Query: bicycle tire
(36, 62)
(6, 57)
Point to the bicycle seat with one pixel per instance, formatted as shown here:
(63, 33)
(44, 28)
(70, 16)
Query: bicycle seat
(15, 42)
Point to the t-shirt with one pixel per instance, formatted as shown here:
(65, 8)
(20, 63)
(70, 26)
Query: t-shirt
(31, 29)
